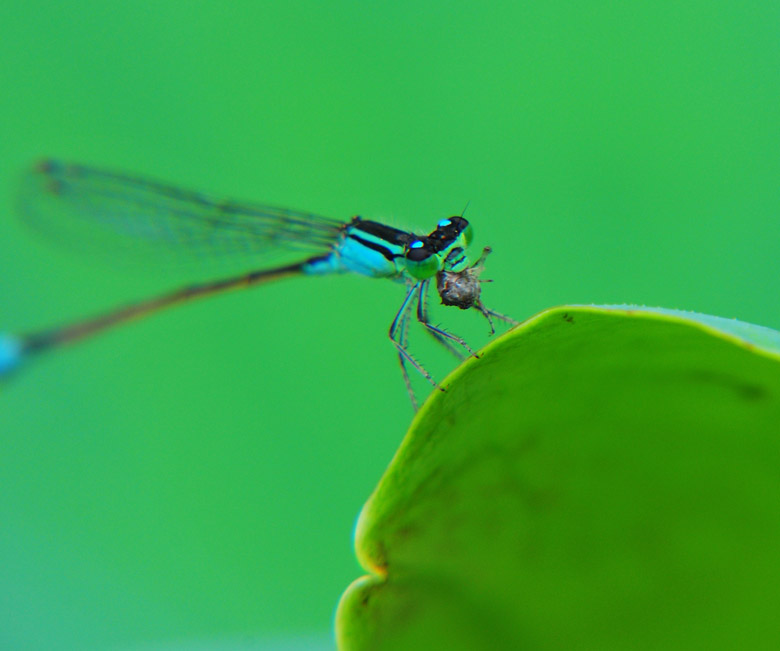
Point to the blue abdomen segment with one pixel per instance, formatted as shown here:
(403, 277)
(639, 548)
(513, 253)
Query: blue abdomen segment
(10, 353)
(324, 264)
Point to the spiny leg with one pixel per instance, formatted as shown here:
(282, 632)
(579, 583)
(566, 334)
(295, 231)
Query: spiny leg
(396, 328)
(405, 355)
(439, 334)
(502, 317)
(402, 339)
(488, 314)
(423, 299)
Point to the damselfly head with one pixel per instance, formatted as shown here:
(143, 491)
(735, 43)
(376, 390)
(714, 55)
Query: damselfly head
(450, 231)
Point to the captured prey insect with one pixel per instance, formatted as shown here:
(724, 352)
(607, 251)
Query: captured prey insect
(169, 220)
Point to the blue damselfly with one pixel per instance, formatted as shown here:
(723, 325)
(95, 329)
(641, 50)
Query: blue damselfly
(110, 206)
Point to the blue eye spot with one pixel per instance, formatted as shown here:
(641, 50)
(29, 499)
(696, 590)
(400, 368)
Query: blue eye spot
(444, 222)
(417, 244)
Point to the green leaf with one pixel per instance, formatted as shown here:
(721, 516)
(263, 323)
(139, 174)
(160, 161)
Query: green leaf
(601, 478)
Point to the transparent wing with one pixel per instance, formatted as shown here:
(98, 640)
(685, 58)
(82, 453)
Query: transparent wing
(89, 208)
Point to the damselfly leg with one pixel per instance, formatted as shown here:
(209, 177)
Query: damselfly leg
(399, 330)
(403, 339)
(491, 314)
(398, 337)
(439, 334)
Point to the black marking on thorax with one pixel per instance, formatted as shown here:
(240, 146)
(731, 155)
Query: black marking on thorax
(383, 250)
(383, 232)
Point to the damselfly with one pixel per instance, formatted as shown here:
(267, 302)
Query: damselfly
(168, 219)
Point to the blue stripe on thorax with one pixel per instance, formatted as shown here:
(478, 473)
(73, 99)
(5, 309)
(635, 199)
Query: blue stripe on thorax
(368, 248)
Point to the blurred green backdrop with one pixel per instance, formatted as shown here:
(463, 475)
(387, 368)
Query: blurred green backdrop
(195, 477)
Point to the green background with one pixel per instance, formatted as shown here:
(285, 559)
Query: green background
(195, 477)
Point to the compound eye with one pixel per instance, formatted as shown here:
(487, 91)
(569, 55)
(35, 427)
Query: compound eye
(421, 262)
(423, 268)
(460, 228)
(417, 251)
(458, 223)
(468, 235)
